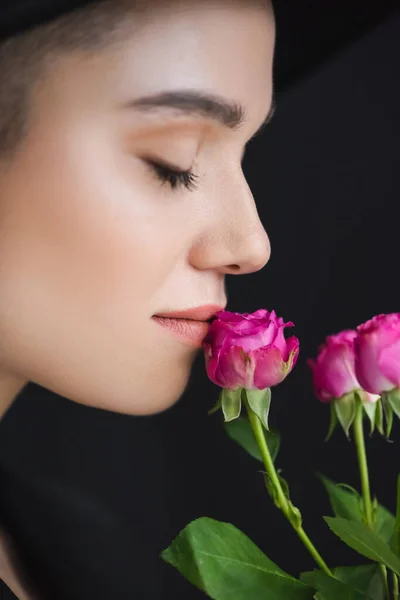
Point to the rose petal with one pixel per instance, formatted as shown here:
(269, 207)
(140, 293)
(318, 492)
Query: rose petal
(367, 368)
(389, 362)
(270, 367)
(235, 369)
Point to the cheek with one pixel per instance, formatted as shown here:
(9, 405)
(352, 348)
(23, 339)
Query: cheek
(82, 255)
(92, 237)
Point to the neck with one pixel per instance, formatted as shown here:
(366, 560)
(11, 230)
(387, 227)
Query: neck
(10, 386)
(8, 573)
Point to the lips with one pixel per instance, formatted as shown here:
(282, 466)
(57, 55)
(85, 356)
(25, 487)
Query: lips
(190, 325)
(190, 331)
(201, 313)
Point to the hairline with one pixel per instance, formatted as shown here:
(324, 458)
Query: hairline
(28, 58)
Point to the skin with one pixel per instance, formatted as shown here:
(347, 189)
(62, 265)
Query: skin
(92, 244)
(9, 575)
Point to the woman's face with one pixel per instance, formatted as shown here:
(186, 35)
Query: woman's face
(93, 242)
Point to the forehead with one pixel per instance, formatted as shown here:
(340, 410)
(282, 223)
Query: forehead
(223, 47)
(204, 43)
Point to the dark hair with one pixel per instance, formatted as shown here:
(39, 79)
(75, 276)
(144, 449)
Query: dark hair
(26, 58)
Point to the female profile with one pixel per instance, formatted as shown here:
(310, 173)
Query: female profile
(123, 205)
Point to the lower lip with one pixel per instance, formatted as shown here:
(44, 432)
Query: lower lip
(193, 332)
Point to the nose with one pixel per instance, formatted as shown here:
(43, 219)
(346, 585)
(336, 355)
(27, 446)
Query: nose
(234, 240)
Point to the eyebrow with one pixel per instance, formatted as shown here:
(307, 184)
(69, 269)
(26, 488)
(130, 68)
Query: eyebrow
(230, 114)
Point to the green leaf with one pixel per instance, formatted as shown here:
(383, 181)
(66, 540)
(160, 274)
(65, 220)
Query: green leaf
(241, 432)
(332, 423)
(346, 486)
(332, 588)
(260, 402)
(374, 508)
(225, 564)
(346, 411)
(394, 401)
(346, 503)
(384, 523)
(365, 578)
(231, 403)
(364, 541)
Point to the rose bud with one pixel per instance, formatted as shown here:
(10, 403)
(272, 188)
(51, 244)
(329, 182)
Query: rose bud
(377, 349)
(249, 350)
(333, 370)
(335, 381)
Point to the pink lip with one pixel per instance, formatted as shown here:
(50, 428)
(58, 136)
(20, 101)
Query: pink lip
(192, 332)
(190, 325)
(200, 313)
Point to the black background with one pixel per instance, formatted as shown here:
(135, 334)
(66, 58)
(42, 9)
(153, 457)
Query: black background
(113, 491)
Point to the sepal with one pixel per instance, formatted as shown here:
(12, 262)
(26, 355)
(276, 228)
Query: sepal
(345, 408)
(388, 412)
(217, 406)
(231, 401)
(393, 398)
(379, 417)
(370, 409)
(260, 402)
(333, 422)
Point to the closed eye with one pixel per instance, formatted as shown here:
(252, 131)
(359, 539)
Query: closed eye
(174, 177)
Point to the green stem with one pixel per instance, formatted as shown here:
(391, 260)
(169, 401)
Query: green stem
(282, 500)
(362, 463)
(395, 587)
(384, 576)
(358, 427)
(396, 547)
(397, 524)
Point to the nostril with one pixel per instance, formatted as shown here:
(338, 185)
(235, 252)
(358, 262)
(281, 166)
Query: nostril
(234, 267)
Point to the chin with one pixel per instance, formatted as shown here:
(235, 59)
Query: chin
(131, 398)
(117, 383)
(147, 406)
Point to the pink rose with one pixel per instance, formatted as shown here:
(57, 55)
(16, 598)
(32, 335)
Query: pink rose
(333, 370)
(377, 348)
(249, 350)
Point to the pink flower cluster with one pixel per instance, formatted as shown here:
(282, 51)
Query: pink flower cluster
(244, 350)
(366, 360)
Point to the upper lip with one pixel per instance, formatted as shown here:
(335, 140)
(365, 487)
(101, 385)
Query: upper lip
(199, 313)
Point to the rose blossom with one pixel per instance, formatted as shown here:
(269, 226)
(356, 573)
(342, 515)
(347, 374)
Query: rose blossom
(333, 370)
(249, 350)
(377, 348)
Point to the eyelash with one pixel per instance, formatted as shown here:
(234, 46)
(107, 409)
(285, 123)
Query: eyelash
(175, 178)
